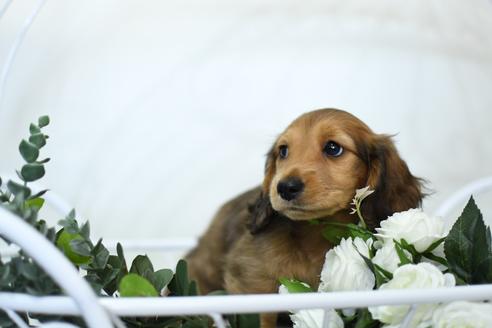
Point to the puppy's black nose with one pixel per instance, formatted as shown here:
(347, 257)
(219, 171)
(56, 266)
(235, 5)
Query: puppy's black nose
(290, 188)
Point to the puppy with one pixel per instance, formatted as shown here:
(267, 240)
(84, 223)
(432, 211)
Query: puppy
(311, 172)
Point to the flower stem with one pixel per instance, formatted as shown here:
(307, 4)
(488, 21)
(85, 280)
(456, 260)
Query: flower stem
(359, 214)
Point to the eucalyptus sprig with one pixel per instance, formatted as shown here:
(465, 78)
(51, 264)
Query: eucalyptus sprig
(107, 273)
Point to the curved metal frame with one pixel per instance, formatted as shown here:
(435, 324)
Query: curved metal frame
(461, 196)
(56, 265)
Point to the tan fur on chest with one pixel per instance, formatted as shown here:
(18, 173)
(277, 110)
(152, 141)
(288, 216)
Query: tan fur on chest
(285, 252)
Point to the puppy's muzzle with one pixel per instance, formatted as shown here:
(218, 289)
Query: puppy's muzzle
(290, 188)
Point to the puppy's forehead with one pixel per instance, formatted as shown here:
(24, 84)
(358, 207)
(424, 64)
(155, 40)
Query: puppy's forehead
(321, 129)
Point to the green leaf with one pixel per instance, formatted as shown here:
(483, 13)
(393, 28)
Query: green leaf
(335, 231)
(387, 275)
(34, 129)
(409, 248)
(380, 278)
(134, 285)
(29, 151)
(100, 254)
(17, 189)
(80, 246)
(43, 121)
(436, 258)
(85, 230)
(434, 245)
(38, 140)
(295, 286)
(467, 247)
(142, 266)
(248, 320)
(38, 194)
(64, 242)
(180, 283)
(162, 278)
(401, 254)
(32, 172)
(192, 288)
(365, 320)
(35, 203)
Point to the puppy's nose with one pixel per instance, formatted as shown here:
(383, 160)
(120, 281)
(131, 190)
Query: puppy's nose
(290, 188)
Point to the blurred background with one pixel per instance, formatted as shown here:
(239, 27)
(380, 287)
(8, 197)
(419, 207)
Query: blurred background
(163, 110)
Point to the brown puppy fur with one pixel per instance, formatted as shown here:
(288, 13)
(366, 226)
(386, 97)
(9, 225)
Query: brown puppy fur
(260, 236)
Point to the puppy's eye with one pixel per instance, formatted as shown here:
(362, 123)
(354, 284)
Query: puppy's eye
(333, 149)
(283, 151)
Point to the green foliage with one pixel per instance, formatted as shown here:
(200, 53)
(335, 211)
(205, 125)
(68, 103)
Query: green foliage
(106, 273)
(295, 286)
(335, 231)
(365, 320)
(77, 253)
(468, 247)
(135, 285)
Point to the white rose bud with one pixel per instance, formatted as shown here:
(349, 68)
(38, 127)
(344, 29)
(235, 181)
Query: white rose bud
(314, 319)
(463, 314)
(416, 227)
(387, 257)
(422, 275)
(345, 269)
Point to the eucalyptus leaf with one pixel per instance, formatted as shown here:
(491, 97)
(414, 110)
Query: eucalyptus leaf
(38, 194)
(43, 121)
(34, 129)
(80, 246)
(35, 203)
(38, 139)
(100, 254)
(17, 189)
(162, 278)
(85, 230)
(142, 266)
(32, 172)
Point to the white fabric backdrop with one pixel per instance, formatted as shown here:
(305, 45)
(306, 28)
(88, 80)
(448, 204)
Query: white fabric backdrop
(162, 110)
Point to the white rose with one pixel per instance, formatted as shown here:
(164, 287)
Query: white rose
(387, 257)
(422, 275)
(345, 269)
(463, 315)
(314, 319)
(416, 227)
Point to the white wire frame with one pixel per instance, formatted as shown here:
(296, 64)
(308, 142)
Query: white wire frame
(460, 197)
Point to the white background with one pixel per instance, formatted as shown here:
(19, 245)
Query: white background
(162, 110)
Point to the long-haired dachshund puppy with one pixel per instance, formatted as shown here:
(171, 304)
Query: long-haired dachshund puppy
(311, 172)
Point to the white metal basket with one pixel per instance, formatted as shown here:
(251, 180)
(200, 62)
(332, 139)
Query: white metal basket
(104, 311)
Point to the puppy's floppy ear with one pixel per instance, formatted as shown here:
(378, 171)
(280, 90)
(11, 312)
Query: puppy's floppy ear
(261, 212)
(396, 189)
